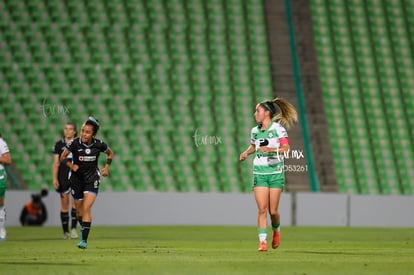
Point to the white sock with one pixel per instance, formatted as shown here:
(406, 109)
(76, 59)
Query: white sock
(262, 237)
(2, 217)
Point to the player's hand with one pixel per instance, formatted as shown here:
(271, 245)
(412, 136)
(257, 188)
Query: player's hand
(243, 156)
(56, 184)
(75, 167)
(105, 172)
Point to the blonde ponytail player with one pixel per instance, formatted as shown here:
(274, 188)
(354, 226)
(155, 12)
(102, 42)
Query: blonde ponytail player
(269, 140)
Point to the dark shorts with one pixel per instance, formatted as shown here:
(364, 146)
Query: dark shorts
(79, 187)
(64, 185)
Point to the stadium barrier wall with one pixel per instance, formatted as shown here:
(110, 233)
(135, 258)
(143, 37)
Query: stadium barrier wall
(134, 208)
(301, 209)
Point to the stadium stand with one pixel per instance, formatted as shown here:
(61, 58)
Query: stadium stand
(365, 63)
(174, 84)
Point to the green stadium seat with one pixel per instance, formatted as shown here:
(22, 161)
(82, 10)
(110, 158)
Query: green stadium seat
(370, 47)
(169, 67)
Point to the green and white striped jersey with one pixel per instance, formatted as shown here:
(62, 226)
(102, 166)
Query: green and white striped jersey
(269, 163)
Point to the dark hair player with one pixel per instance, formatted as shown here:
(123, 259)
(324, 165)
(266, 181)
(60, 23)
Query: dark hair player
(85, 176)
(61, 175)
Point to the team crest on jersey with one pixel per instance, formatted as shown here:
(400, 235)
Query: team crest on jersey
(270, 135)
(88, 151)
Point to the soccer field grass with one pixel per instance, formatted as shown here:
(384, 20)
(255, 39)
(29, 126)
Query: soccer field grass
(208, 250)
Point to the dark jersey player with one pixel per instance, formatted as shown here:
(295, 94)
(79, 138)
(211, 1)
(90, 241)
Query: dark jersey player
(61, 182)
(85, 176)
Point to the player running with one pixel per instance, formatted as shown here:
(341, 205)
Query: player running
(61, 174)
(269, 140)
(85, 178)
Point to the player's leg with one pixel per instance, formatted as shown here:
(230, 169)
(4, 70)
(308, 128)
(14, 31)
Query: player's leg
(89, 197)
(274, 206)
(275, 215)
(64, 213)
(64, 191)
(79, 210)
(277, 185)
(77, 194)
(79, 214)
(261, 195)
(88, 200)
(74, 220)
(3, 183)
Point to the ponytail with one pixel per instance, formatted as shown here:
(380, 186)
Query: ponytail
(95, 124)
(287, 115)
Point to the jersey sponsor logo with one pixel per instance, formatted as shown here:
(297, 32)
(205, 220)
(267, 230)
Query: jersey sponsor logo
(263, 142)
(87, 158)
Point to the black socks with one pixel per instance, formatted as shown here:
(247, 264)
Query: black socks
(64, 217)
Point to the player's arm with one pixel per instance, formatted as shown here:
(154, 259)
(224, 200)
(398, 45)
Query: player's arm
(5, 159)
(64, 155)
(55, 168)
(250, 150)
(284, 146)
(109, 155)
(64, 159)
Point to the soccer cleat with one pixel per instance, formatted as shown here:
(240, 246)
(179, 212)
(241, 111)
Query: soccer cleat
(2, 234)
(276, 239)
(66, 236)
(73, 233)
(262, 247)
(82, 244)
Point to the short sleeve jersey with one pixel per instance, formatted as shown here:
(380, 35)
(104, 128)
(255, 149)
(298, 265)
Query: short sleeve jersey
(63, 172)
(86, 157)
(3, 149)
(269, 163)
